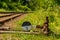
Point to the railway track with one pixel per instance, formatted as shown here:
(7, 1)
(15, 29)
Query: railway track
(21, 32)
(8, 16)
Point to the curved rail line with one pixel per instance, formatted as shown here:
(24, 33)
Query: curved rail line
(7, 16)
(21, 32)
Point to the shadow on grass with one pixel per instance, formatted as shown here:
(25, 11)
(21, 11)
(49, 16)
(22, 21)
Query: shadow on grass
(51, 33)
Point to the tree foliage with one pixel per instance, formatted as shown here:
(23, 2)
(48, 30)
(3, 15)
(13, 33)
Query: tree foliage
(27, 5)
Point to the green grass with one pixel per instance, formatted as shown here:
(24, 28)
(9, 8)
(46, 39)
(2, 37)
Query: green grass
(36, 18)
(47, 8)
(29, 37)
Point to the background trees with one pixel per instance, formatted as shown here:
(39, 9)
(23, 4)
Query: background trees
(27, 5)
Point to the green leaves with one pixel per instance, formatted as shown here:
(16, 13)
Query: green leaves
(52, 18)
(32, 5)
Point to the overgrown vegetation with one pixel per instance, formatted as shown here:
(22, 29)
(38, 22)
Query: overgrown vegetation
(42, 9)
(28, 5)
(18, 5)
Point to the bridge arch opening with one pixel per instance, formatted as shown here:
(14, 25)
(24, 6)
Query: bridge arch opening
(26, 26)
